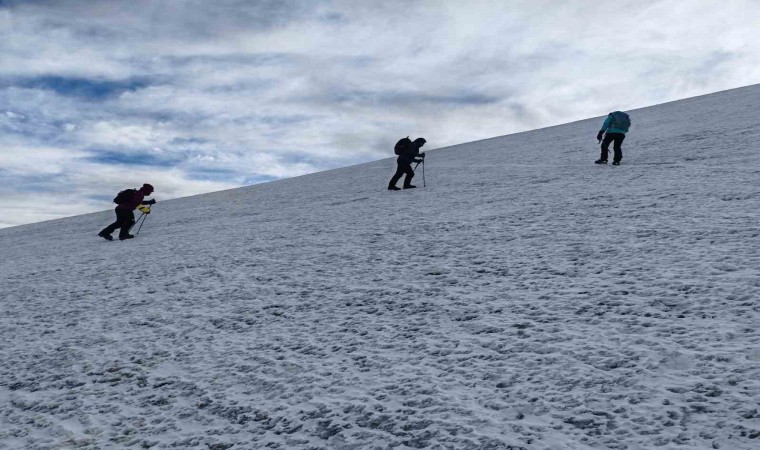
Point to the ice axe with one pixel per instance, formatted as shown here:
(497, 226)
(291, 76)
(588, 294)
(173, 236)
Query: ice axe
(423, 169)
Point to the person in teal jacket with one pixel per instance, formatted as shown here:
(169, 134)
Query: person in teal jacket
(616, 125)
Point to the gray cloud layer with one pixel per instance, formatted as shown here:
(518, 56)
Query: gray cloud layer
(195, 96)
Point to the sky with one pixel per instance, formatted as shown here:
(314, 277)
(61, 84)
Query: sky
(197, 96)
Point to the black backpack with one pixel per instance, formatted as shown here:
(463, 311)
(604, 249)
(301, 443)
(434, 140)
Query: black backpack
(124, 196)
(402, 145)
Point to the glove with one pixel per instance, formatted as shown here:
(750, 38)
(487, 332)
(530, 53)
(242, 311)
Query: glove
(600, 135)
(150, 202)
(422, 155)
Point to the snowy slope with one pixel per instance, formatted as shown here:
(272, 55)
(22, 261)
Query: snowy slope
(526, 298)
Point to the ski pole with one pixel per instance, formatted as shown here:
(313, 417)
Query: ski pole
(136, 222)
(143, 222)
(423, 173)
(145, 210)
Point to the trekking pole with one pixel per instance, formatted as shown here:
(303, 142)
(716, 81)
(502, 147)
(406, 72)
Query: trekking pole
(136, 222)
(145, 210)
(423, 170)
(143, 222)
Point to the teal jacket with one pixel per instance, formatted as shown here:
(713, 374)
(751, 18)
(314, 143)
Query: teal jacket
(606, 126)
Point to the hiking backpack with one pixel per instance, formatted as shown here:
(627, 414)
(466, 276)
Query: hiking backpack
(402, 145)
(124, 196)
(620, 120)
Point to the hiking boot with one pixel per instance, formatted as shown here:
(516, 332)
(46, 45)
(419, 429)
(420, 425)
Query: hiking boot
(393, 188)
(410, 187)
(107, 237)
(129, 236)
(615, 163)
(600, 161)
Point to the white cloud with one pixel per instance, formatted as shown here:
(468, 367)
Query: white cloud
(36, 161)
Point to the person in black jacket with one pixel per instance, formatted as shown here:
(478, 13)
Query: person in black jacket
(404, 162)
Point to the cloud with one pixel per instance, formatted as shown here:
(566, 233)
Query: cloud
(204, 96)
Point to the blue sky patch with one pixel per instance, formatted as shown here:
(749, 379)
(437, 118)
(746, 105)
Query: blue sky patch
(83, 88)
(131, 158)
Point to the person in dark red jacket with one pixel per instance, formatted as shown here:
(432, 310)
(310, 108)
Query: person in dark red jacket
(125, 218)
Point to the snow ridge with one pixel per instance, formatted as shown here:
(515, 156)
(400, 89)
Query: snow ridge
(525, 299)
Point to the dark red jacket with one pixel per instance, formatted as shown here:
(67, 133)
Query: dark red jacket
(134, 202)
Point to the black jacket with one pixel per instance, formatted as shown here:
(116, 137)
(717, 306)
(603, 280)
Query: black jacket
(411, 152)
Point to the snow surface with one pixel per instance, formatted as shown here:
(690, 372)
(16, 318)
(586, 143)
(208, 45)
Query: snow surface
(526, 298)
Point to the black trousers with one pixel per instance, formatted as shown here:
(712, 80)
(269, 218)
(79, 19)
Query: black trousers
(124, 219)
(401, 169)
(617, 138)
